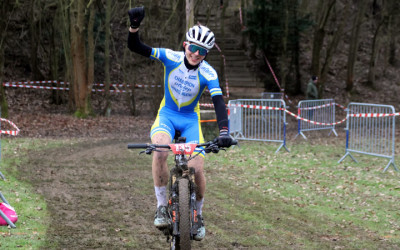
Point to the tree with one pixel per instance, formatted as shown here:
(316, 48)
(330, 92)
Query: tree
(274, 27)
(380, 18)
(6, 14)
(80, 86)
(321, 19)
(34, 28)
(393, 25)
(107, 24)
(63, 25)
(90, 51)
(332, 45)
(189, 13)
(354, 39)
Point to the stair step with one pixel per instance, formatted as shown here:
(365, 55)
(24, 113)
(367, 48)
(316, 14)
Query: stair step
(242, 81)
(226, 53)
(245, 83)
(245, 93)
(241, 59)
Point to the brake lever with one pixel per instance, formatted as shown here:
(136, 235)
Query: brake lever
(148, 150)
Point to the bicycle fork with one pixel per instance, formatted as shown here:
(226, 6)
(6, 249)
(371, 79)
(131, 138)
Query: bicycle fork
(193, 207)
(174, 201)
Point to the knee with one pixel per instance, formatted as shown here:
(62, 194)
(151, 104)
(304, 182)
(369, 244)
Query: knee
(160, 157)
(199, 196)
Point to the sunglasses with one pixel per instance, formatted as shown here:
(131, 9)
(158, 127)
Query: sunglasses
(193, 48)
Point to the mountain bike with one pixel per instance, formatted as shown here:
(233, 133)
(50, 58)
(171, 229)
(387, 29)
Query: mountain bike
(181, 207)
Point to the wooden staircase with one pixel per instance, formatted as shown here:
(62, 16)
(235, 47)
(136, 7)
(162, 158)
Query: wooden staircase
(242, 81)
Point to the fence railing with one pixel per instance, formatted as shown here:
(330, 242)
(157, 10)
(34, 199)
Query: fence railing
(258, 120)
(370, 129)
(321, 111)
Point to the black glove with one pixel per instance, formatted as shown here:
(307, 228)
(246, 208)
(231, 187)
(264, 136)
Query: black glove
(224, 140)
(136, 15)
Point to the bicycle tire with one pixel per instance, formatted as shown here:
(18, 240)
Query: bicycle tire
(184, 214)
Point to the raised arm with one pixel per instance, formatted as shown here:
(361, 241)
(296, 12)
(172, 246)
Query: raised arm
(136, 16)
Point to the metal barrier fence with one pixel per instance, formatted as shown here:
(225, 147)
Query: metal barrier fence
(258, 120)
(321, 110)
(370, 129)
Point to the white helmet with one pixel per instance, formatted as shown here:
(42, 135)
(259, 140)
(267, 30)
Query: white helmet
(202, 36)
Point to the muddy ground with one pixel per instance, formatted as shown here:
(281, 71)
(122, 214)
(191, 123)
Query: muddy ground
(100, 194)
(91, 192)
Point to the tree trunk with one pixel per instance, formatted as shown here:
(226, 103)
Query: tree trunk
(3, 100)
(283, 57)
(393, 24)
(63, 25)
(90, 57)
(79, 62)
(323, 11)
(35, 39)
(54, 56)
(4, 12)
(222, 73)
(107, 109)
(189, 13)
(296, 49)
(332, 48)
(374, 53)
(354, 43)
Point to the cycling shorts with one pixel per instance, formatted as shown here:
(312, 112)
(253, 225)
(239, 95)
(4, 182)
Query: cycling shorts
(169, 121)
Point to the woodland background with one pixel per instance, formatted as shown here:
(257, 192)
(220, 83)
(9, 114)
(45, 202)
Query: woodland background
(351, 45)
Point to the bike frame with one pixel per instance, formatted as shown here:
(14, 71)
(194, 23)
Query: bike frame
(177, 173)
(181, 172)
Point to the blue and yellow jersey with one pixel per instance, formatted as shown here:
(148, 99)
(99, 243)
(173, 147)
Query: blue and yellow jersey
(183, 87)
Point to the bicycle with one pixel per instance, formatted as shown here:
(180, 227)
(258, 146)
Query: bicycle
(182, 209)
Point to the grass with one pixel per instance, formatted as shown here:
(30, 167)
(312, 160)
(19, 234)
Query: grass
(33, 219)
(255, 198)
(305, 198)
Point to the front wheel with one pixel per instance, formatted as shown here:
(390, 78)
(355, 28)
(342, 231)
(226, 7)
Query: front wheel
(184, 214)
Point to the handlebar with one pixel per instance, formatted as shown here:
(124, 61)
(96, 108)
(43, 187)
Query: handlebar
(208, 145)
(130, 146)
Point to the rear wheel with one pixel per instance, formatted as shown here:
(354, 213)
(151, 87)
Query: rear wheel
(184, 214)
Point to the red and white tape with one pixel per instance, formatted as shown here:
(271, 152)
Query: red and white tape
(9, 132)
(322, 106)
(226, 78)
(373, 115)
(209, 105)
(276, 79)
(28, 84)
(32, 86)
(314, 122)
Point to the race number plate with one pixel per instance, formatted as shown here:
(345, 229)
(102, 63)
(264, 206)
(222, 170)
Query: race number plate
(183, 148)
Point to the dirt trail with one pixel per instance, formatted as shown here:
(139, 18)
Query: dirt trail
(99, 195)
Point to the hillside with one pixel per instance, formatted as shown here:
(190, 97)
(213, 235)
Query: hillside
(26, 105)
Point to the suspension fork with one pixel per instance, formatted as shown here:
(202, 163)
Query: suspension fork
(193, 207)
(174, 200)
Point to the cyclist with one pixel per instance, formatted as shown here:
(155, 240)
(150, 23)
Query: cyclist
(186, 75)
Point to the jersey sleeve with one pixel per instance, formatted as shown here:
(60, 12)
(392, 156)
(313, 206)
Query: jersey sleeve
(211, 78)
(166, 56)
(157, 54)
